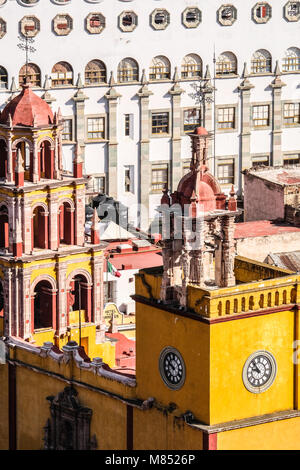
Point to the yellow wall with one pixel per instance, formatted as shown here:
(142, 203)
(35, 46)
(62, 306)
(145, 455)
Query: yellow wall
(157, 329)
(277, 435)
(232, 342)
(153, 430)
(3, 407)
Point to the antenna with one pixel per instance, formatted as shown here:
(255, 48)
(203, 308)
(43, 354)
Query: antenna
(25, 45)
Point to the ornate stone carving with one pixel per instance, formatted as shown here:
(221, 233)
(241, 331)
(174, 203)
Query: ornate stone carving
(69, 425)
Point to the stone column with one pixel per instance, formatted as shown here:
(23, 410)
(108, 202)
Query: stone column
(277, 118)
(79, 100)
(245, 136)
(97, 274)
(62, 314)
(26, 317)
(79, 215)
(35, 175)
(10, 326)
(144, 166)
(228, 253)
(27, 227)
(18, 239)
(9, 159)
(53, 221)
(112, 100)
(176, 170)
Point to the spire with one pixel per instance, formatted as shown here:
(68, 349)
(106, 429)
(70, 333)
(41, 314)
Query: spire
(277, 71)
(144, 78)
(112, 81)
(95, 239)
(277, 82)
(245, 73)
(232, 202)
(47, 83)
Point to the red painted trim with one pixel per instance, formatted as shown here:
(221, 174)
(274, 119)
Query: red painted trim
(12, 407)
(129, 427)
(210, 441)
(18, 249)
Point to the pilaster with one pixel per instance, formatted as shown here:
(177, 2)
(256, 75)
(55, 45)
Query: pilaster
(112, 100)
(62, 314)
(145, 166)
(277, 85)
(176, 171)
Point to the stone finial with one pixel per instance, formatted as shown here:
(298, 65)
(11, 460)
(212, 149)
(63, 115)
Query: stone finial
(79, 83)
(232, 202)
(144, 77)
(112, 81)
(176, 76)
(13, 87)
(59, 115)
(207, 75)
(277, 71)
(245, 73)
(19, 165)
(9, 121)
(47, 85)
(68, 350)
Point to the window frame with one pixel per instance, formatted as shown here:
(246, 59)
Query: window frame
(159, 166)
(96, 139)
(160, 112)
(235, 122)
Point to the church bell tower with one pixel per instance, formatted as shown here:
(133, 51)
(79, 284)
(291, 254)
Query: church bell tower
(49, 273)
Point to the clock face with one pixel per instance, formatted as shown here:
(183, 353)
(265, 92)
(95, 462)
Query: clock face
(259, 371)
(172, 368)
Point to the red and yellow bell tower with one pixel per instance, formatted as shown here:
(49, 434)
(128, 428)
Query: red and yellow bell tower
(51, 277)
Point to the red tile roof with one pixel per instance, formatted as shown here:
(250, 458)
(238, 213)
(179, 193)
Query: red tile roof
(262, 228)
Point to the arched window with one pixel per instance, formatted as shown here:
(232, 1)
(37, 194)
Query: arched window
(79, 298)
(66, 224)
(243, 308)
(235, 306)
(226, 64)
(284, 297)
(43, 303)
(62, 74)
(191, 66)
(39, 228)
(160, 68)
(4, 228)
(293, 296)
(261, 62)
(291, 61)
(95, 72)
(276, 298)
(128, 70)
(269, 299)
(220, 309)
(31, 71)
(46, 160)
(3, 77)
(251, 303)
(227, 307)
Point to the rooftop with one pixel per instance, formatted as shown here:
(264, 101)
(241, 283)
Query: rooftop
(280, 176)
(262, 228)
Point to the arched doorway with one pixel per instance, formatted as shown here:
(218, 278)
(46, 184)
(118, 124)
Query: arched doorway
(44, 305)
(80, 297)
(66, 224)
(3, 159)
(4, 228)
(46, 163)
(39, 228)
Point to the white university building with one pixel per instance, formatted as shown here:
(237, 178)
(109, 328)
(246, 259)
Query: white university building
(132, 78)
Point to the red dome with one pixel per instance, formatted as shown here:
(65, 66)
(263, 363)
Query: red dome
(200, 131)
(27, 109)
(205, 192)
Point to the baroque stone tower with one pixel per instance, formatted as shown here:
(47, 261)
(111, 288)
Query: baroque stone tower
(49, 273)
(198, 229)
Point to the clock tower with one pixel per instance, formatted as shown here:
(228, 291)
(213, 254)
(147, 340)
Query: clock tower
(216, 332)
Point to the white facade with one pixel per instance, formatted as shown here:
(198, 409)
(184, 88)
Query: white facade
(111, 155)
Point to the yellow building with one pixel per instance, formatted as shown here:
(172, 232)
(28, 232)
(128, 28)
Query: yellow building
(217, 360)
